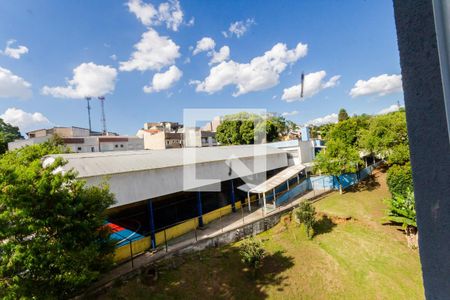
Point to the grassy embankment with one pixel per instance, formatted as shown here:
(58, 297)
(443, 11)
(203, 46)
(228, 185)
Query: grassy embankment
(352, 256)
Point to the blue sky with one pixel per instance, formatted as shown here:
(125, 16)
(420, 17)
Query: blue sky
(349, 40)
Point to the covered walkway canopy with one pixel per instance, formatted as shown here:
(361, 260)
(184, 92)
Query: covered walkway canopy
(271, 183)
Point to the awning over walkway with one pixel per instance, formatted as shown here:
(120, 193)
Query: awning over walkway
(246, 187)
(277, 179)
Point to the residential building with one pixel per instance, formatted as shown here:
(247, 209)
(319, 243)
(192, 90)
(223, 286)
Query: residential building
(163, 126)
(81, 140)
(157, 136)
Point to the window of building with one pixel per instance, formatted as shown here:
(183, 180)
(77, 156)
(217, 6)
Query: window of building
(121, 146)
(92, 149)
(79, 148)
(117, 146)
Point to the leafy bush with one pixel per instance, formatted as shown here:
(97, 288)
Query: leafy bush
(306, 214)
(399, 179)
(52, 239)
(252, 254)
(402, 209)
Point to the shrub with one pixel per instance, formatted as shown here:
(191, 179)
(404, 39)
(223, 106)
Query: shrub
(306, 214)
(402, 209)
(399, 179)
(252, 254)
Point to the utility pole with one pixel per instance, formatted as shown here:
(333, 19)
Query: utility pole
(103, 120)
(88, 99)
(302, 80)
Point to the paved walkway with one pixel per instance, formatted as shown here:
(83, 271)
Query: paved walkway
(227, 223)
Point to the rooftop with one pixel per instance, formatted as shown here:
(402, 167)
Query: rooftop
(105, 163)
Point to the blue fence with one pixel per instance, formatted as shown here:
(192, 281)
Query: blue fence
(324, 182)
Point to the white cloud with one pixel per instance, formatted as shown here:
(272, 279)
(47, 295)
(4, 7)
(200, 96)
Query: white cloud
(291, 113)
(222, 55)
(207, 44)
(153, 52)
(15, 53)
(113, 57)
(260, 73)
(89, 80)
(13, 86)
(204, 45)
(24, 120)
(380, 86)
(392, 108)
(238, 28)
(332, 118)
(164, 81)
(169, 13)
(191, 22)
(313, 83)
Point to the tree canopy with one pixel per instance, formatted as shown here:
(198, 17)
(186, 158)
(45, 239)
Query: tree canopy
(338, 158)
(52, 236)
(385, 136)
(8, 133)
(243, 128)
(343, 115)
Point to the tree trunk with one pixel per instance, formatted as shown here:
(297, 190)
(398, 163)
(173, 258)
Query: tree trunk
(412, 237)
(340, 185)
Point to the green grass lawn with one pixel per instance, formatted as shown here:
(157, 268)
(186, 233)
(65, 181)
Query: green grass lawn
(352, 256)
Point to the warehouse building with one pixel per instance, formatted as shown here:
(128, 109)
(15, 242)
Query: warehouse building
(155, 189)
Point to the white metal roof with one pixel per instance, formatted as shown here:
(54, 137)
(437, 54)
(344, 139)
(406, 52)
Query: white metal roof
(277, 179)
(246, 187)
(106, 163)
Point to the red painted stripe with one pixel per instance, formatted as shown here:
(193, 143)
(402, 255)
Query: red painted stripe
(114, 227)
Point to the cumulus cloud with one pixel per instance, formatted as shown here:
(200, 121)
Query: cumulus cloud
(15, 53)
(313, 83)
(392, 108)
(13, 86)
(260, 73)
(238, 28)
(169, 13)
(222, 55)
(164, 81)
(290, 113)
(89, 80)
(380, 86)
(332, 118)
(207, 44)
(153, 52)
(24, 120)
(204, 45)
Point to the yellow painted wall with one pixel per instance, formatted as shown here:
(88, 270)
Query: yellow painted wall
(123, 253)
(139, 246)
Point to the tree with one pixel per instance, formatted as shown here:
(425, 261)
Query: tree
(242, 128)
(229, 133)
(336, 159)
(385, 136)
(252, 254)
(52, 236)
(247, 132)
(8, 133)
(343, 115)
(306, 215)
